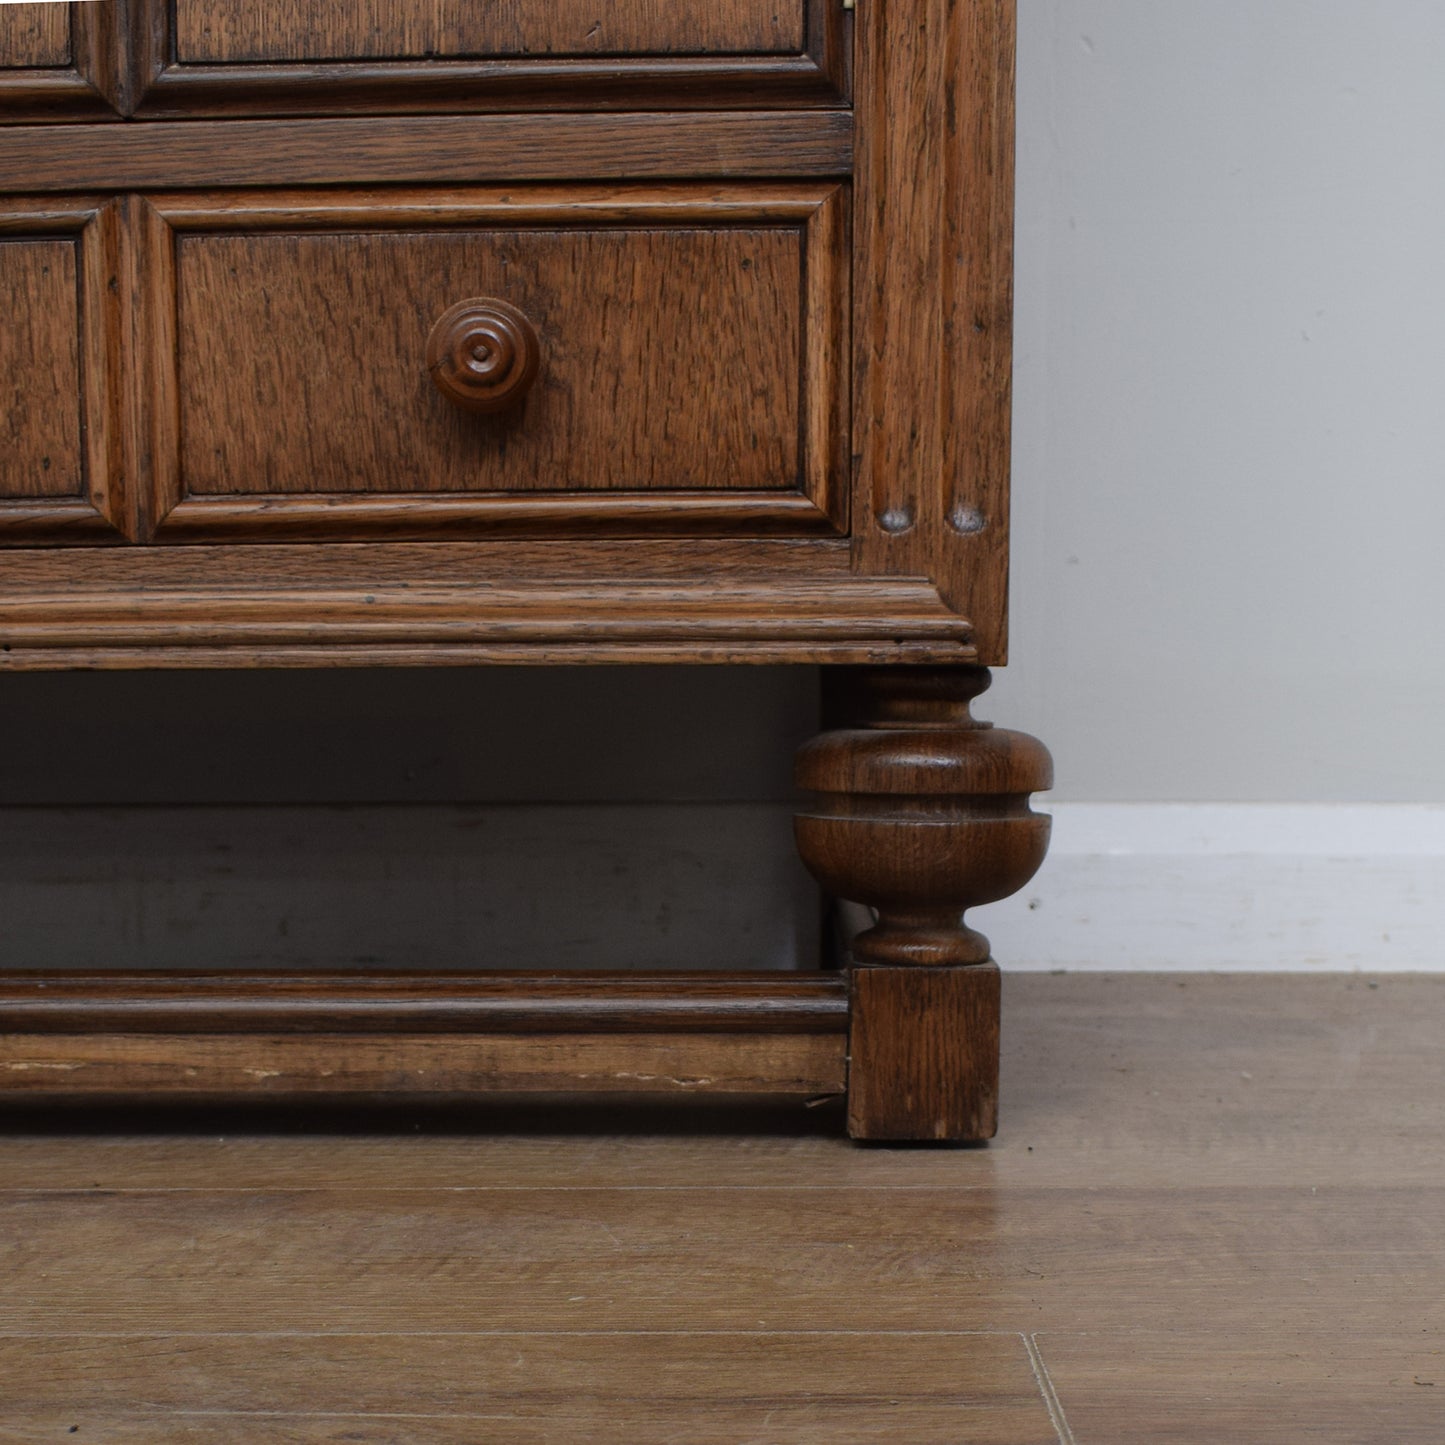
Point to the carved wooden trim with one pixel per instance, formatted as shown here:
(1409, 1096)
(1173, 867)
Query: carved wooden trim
(360, 565)
(354, 516)
(159, 84)
(545, 620)
(38, 521)
(446, 149)
(722, 203)
(720, 83)
(86, 88)
(819, 505)
(933, 259)
(919, 812)
(825, 443)
(483, 1002)
(208, 1068)
(100, 515)
(152, 404)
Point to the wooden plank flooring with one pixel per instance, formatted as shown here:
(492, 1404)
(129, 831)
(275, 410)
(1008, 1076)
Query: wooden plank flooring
(1215, 1213)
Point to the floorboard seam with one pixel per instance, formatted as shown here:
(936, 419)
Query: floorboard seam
(1046, 1388)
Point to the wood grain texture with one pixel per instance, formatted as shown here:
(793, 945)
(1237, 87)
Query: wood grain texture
(542, 622)
(325, 337)
(151, 405)
(392, 517)
(411, 149)
(705, 653)
(923, 1052)
(1210, 1216)
(345, 1065)
(933, 278)
(1330, 1384)
(738, 424)
(234, 31)
(614, 1390)
(33, 37)
(61, 472)
(766, 560)
(459, 1003)
(812, 70)
(717, 83)
(395, 1258)
(57, 61)
(536, 206)
(41, 453)
(920, 811)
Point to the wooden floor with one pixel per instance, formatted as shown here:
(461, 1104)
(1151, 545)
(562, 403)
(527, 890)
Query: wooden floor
(1215, 1214)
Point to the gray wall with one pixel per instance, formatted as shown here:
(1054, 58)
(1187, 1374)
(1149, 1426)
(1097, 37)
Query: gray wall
(1230, 398)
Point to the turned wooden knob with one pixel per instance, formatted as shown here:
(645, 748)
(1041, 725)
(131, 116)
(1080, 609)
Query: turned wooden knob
(483, 354)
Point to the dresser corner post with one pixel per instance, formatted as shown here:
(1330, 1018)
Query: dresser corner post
(920, 812)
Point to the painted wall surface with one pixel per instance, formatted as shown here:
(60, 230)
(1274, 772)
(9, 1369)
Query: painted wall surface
(1229, 466)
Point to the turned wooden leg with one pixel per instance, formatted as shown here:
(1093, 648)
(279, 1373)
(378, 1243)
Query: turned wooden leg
(920, 812)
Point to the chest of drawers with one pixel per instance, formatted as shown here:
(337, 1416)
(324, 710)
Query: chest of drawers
(423, 332)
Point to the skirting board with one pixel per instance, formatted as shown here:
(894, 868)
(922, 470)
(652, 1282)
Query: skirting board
(1293, 888)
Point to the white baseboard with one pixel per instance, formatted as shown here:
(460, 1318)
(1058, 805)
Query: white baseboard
(1254, 887)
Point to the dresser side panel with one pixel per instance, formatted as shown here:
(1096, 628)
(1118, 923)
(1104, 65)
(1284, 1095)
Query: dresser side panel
(933, 301)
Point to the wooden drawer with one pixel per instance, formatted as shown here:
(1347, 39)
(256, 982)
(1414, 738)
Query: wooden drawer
(277, 56)
(689, 350)
(238, 32)
(58, 475)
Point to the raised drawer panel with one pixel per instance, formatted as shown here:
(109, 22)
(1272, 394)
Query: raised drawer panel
(40, 437)
(250, 31)
(669, 358)
(60, 437)
(689, 361)
(34, 37)
(57, 62)
(309, 57)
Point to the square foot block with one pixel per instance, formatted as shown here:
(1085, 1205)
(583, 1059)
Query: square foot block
(923, 1052)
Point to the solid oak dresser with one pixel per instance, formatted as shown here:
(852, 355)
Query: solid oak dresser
(458, 332)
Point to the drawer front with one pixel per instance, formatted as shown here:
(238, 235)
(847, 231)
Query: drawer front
(57, 348)
(250, 31)
(330, 56)
(656, 359)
